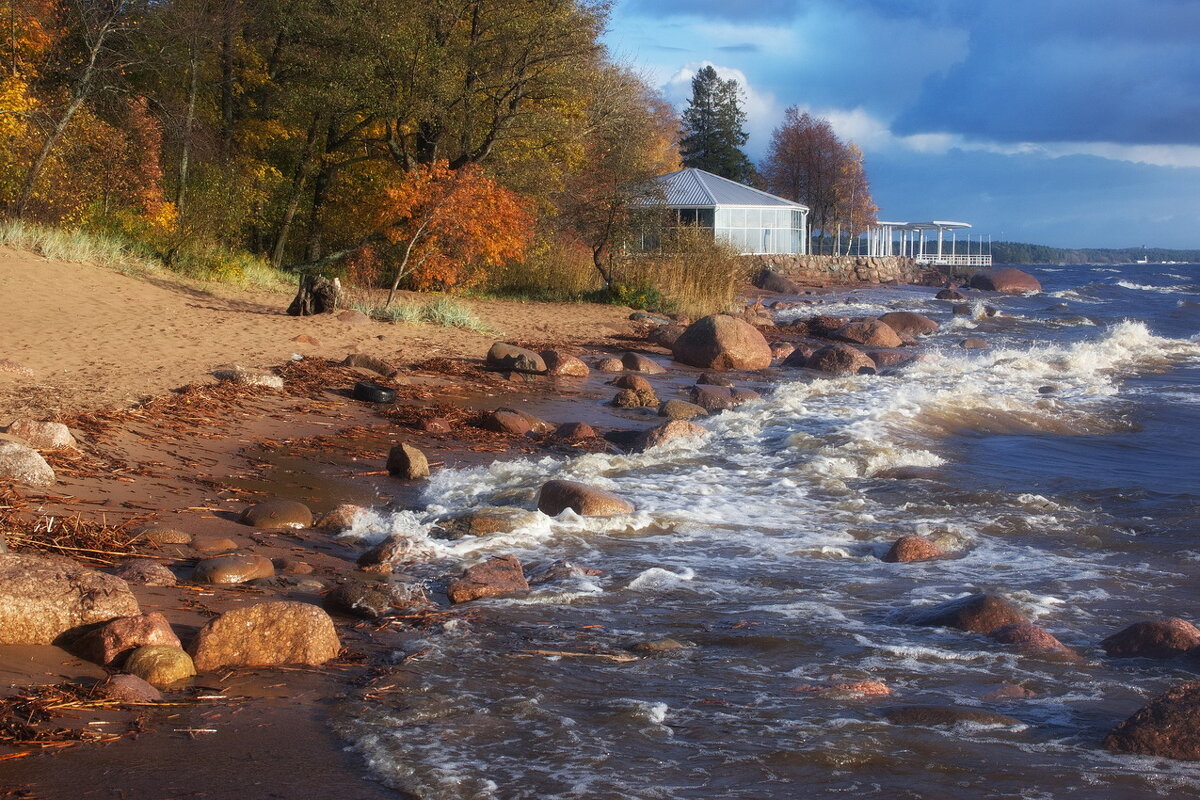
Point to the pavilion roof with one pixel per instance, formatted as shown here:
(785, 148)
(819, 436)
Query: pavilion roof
(695, 188)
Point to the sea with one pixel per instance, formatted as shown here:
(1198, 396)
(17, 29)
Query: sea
(1060, 468)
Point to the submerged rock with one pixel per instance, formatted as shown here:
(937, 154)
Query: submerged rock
(912, 548)
(500, 575)
(1030, 638)
(1159, 638)
(841, 359)
(977, 613)
(661, 434)
(587, 501)
(1007, 280)
(945, 715)
(1168, 726)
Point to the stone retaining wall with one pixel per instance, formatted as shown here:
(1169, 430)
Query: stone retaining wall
(841, 270)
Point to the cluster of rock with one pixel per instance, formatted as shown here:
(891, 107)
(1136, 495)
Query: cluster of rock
(21, 448)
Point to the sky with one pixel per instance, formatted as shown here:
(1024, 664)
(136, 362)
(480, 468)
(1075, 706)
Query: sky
(1070, 123)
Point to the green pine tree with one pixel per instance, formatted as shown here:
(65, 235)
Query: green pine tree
(713, 133)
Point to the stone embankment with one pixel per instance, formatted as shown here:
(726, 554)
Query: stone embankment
(844, 270)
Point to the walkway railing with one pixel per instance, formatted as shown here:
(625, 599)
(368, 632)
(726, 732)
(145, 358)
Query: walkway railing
(957, 260)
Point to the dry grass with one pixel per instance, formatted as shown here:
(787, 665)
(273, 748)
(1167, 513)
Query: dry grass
(695, 275)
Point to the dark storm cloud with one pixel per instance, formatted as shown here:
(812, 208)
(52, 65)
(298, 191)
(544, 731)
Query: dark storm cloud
(1070, 71)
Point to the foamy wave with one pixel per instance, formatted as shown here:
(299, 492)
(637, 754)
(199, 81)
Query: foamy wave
(1142, 287)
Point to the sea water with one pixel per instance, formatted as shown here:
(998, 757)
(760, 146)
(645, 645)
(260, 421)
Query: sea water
(1061, 468)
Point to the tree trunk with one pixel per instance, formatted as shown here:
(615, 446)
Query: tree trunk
(188, 119)
(317, 295)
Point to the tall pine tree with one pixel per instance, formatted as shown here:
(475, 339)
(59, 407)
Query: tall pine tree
(713, 135)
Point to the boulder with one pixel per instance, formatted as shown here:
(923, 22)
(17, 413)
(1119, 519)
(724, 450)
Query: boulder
(353, 317)
(1159, 638)
(372, 600)
(681, 409)
(509, 357)
(370, 363)
(636, 362)
(228, 570)
(714, 379)
(129, 689)
(635, 382)
(42, 435)
(609, 365)
(666, 335)
(973, 343)
(945, 715)
(562, 570)
(485, 521)
(165, 534)
(287, 565)
(847, 690)
(977, 613)
(722, 342)
(564, 365)
(888, 358)
(407, 462)
(340, 518)
(42, 597)
(912, 548)
(277, 515)
(160, 665)
(871, 333)
(950, 294)
(781, 350)
(1167, 727)
(1007, 280)
(575, 432)
(720, 398)
(1030, 638)
(841, 359)
(503, 421)
(909, 323)
(22, 464)
(661, 434)
(209, 545)
(145, 572)
(771, 281)
(799, 356)
(500, 575)
(249, 377)
(382, 556)
(629, 398)
(117, 638)
(587, 501)
(264, 635)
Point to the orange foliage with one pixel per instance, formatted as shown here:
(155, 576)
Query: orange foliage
(443, 225)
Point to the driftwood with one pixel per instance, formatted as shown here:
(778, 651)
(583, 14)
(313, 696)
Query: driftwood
(317, 295)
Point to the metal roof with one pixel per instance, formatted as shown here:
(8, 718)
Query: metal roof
(695, 188)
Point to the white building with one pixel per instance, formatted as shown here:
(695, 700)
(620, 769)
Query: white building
(751, 220)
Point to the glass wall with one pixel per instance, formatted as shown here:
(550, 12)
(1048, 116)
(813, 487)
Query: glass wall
(761, 230)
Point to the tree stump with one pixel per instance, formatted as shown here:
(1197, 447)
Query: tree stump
(317, 295)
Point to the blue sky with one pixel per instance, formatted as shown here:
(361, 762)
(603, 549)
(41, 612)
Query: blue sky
(1073, 123)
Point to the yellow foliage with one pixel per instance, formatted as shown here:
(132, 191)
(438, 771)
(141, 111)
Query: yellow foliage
(15, 104)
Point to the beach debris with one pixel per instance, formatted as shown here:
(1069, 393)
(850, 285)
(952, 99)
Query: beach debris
(145, 572)
(434, 425)
(41, 435)
(233, 569)
(909, 323)
(266, 634)
(564, 365)
(668, 431)
(370, 392)
(1158, 638)
(1168, 726)
(976, 613)
(869, 333)
(20, 463)
(499, 575)
(558, 495)
(82, 539)
(370, 363)
(636, 362)
(160, 665)
(1007, 280)
(912, 548)
(681, 409)
(43, 597)
(341, 517)
(317, 294)
(722, 342)
(509, 357)
(109, 643)
(840, 359)
(407, 462)
(278, 514)
(248, 377)
(1030, 638)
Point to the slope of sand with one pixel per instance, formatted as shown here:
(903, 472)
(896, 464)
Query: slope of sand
(95, 338)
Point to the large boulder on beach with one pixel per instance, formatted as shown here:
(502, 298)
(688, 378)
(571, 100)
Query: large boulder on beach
(869, 333)
(1168, 726)
(500, 575)
(1007, 280)
(278, 514)
(43, 597)
(1158, 638)
(771, 281)
(117, 638)
(265, 635)
(722, 342)
(909, 323)
(557, 496)
(42, 435)
(839, 359)
(509, 357)
(20, 463)
(977, 613)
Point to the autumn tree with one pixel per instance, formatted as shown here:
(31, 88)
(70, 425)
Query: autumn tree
(809, 164)
(713, 128)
